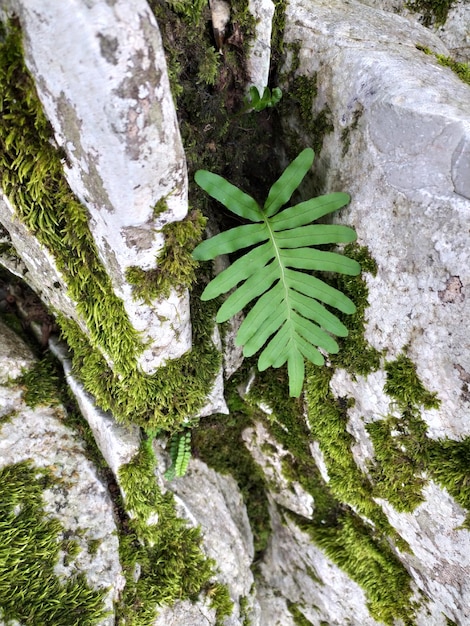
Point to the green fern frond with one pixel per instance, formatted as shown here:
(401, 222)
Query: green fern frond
(289, 314)
(180, 454)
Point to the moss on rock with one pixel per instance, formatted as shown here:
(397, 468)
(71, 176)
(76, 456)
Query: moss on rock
(30, 591)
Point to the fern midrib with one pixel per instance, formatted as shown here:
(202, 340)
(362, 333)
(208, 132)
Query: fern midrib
(283, 275)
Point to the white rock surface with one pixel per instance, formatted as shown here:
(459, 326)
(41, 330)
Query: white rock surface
(84, 509)
(286, 567)
(440, 559)
(455, 33)
(214, 501)
(407, 169)
(286, 493)
(108, 98)
(259, 56)
(117, 444)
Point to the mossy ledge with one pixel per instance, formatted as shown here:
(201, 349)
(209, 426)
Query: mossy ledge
(33, 180)
(405, 458)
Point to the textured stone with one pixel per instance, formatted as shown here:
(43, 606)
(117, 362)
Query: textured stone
(288, 494)
(454, 33)
(399, 146)
(214, 501)
(259, 56)
(286, 571)
(404, 134)
(84, 508)
(440, 557)
(108, 98)
(117, 444)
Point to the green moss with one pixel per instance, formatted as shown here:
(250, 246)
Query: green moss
(162, 401)
(359, 548)
(299, 617)
(405, 458)
(71, 549)
(278, 25)
(434, 12)
(32, 178)
(397, 472)
(328, 420)
(405, 387)
(368, 559)
(29, 549)
(300, 93)
(400, 442)
(356, 355)
(176, 269)
(168, 554)
(461, 69)
(448, 464)
(40, 383)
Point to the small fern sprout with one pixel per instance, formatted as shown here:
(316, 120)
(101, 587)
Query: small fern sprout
(180, 455)
(289, 320)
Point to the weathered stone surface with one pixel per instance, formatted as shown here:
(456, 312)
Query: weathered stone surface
(108, 98)
(440, 554)
(294, 569)
(411, 118)
(401, 126)
(453, 33)
(259, 57)
(117, 444)
(207, 498)
(288, 494)
(80, 501)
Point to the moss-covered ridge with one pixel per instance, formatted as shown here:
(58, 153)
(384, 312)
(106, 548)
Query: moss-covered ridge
(164, 548)
(33, 180)
(30, 592)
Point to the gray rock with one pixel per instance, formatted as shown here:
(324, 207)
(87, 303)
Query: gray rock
(84, 507)
(214, 501)
(259, 56)
(108, 98)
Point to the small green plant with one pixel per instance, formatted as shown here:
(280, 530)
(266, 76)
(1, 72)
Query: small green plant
(288, 313)
(180, 454)
(255, 101)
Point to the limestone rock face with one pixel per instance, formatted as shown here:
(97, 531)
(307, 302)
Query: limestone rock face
(108, 98)
(77, 498)
(398, 145)
(453, 32)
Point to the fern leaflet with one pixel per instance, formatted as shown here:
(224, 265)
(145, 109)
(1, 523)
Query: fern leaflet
(289, 315)
(180, 454)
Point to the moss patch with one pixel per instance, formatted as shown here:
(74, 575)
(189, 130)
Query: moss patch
(434, 12)
(29, 548)
(176, 268)
(355, 354)
(362, 550)
(40, 383)
(461, 69)
(405, 458)
(33, 180)
(299, 617)
(168, 554)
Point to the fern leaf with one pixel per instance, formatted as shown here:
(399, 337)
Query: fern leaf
(230, 196)
(290, 179)
(180, 455)
(289, 321)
